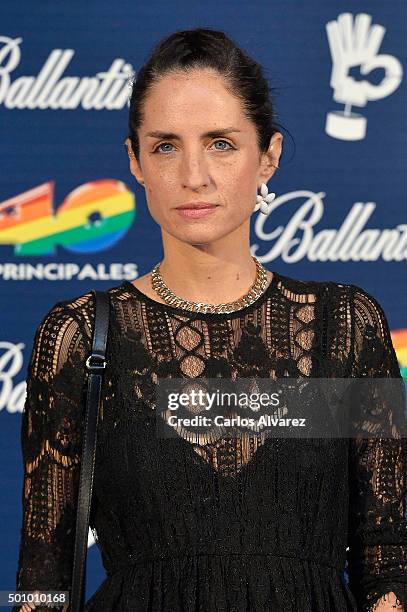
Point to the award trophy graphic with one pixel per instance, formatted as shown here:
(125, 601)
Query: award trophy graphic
(356, 43)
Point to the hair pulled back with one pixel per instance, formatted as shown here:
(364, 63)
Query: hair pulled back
(206, 48)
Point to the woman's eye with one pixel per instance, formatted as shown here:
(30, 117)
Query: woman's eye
(160, 145)
(224, 141)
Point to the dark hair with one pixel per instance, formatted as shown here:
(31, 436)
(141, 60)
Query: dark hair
(206, 48)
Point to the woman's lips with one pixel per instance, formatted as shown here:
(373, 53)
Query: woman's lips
(196, 213)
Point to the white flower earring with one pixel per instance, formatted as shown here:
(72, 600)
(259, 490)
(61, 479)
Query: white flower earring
(264, 200)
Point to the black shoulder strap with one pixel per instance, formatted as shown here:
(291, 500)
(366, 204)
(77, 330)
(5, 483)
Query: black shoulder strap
(95, 363)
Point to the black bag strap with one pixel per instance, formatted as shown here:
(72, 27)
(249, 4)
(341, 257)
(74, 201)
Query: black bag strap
(95, 363)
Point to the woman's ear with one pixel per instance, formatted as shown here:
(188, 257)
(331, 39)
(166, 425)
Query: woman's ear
(134, 165)
(270, 158)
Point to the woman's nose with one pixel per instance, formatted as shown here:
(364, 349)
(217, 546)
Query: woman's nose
(194, 171)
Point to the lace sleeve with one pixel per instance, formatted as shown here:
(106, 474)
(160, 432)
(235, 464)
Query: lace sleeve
(377, 558)
(51, 436)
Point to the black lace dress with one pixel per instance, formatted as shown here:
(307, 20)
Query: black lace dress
(222, 525)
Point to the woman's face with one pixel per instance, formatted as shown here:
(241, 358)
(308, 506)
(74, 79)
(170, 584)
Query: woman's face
(184, 164)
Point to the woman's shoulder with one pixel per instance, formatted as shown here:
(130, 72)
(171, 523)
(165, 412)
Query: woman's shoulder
(79, 307)
(71, 316)
(82, 305)
(330, 288)
(355, 303)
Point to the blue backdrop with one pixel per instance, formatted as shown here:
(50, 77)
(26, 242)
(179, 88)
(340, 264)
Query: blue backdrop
(72, 216)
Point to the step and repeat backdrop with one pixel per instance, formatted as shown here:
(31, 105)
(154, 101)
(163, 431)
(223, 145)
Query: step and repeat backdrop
(72, 217)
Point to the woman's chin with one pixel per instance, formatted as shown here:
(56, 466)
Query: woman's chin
(197, 235)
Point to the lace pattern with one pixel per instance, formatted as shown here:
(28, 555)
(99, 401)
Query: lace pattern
(297, 328)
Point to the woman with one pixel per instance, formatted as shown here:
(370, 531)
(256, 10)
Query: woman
(227, 523)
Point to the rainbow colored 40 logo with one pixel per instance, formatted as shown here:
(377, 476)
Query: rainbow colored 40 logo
(91, 218)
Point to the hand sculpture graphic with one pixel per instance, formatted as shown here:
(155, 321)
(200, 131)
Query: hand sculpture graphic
(356, 43)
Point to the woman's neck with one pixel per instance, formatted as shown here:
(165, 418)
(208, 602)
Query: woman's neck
(200, 276)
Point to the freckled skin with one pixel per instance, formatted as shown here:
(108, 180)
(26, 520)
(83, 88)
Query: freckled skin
(232, 177)
(226, 170)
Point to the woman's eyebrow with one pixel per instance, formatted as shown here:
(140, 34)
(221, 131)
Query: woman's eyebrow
(211, 133)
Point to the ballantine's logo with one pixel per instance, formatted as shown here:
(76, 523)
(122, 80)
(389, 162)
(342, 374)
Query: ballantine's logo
(107, 90)
(350, 242)
(91, 218)
(357, 44)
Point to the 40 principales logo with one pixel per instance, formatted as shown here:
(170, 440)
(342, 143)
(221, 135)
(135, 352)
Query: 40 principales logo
(91, 218)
